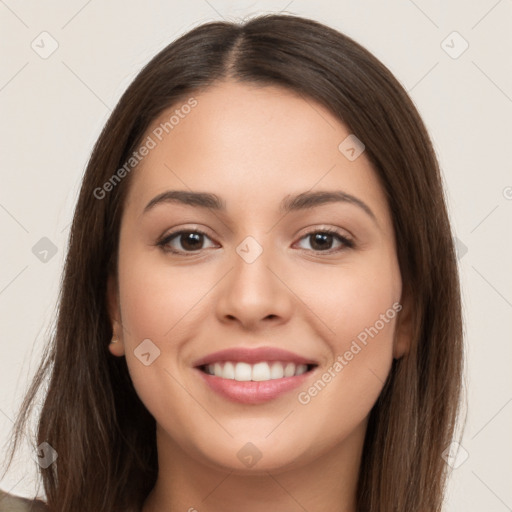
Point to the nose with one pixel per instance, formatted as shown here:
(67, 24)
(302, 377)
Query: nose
(255, 294)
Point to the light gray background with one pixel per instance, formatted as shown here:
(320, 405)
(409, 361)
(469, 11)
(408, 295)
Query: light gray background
(53, 109)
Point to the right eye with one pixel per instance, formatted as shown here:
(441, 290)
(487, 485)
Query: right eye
(190, 240)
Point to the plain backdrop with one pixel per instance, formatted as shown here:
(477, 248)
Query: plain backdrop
(64, 67)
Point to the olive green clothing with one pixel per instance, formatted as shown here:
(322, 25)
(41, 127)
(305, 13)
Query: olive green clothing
(11, 503)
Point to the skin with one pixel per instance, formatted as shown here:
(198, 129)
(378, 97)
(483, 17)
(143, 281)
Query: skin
(254, 146)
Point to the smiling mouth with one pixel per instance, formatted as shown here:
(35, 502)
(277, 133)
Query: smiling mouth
(258, 372)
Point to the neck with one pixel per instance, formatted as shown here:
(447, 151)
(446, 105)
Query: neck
(328, 481)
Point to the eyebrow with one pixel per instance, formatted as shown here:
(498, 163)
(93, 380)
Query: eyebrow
(303, 201)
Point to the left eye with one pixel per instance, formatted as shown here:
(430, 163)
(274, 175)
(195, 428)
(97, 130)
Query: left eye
(321, 241)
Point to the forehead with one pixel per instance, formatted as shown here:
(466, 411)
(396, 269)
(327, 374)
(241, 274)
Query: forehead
(246, 142)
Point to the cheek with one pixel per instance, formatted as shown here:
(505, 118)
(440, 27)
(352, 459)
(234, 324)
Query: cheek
(157, 304)
(361, 312)
(157, 300)
(165, 305)
(350, 299)
(358, 307)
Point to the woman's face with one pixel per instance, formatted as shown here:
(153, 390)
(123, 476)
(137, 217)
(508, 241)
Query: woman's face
(255, 273)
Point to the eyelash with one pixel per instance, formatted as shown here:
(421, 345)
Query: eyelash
(347, 242)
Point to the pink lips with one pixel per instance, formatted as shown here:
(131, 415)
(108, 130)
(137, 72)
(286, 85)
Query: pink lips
(250, 392)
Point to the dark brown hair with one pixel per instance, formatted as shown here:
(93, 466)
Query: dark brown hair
(91, 414)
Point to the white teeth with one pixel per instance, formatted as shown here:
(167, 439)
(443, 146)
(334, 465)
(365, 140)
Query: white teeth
(289, 370)
(242, 371)
(276, 371)
(302, 368)
(229, 371)
(262, 371)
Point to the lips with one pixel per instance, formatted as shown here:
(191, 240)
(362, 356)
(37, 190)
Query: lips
(254, 376)
(252, 356)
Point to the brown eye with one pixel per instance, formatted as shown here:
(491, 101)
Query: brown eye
(323, 241)
(184, 241)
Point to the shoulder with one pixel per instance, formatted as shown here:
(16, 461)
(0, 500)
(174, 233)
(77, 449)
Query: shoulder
(11, 503)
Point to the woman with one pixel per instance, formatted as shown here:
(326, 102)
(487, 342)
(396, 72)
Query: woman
(260, 305)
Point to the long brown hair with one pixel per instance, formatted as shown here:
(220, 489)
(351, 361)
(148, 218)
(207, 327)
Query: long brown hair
(91, 414)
